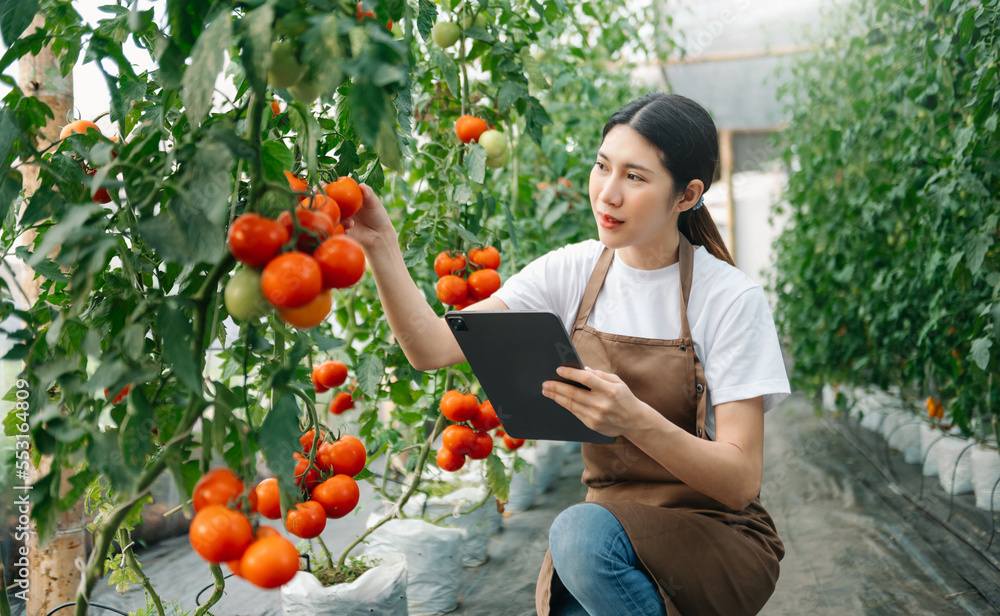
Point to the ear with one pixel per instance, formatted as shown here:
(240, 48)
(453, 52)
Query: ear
(692, 193)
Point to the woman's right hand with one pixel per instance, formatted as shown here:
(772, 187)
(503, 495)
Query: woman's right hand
(370, 223)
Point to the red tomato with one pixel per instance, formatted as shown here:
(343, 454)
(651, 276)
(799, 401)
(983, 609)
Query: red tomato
(307, 520)
(349, 455)
(255, 240)
(448, 460)
(309, 477)
(341, 402)
(341, 261)
(219, 534)
(268, 500)
(486, 418)
(330, 374)
(448, 262)
(458, 438)
(482, 445)
(459, 407)
(338, 495)
(483, 283)
(488, 257)
(270, 562)
(316, 227)
(512, 443)
(291, 280)
(222, 487)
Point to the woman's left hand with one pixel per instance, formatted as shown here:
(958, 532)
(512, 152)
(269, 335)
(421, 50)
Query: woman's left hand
(609, 407)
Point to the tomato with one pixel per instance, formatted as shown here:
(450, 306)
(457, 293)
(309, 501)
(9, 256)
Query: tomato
(325, 456)
(479, 21)
(458, 438)
(262, 531)
(244, 301)
(270, 562)
(512, 443)
(321, 203)
(488, 257)
(316, 227)
(297, 184)
(285, 70)
(291, 280)
(341, 261)
(459, 407)
(119, 396)
(363, 13)
(255, 240)
(448, 460)
(307, 520)
(338, 495)
(331, 374)
(275, 109)
(494, 143)
(445, 33)
(349, 456)
(483, 283)
(306, 440)
(268, 500)
(341, 402)
(310, 315)
(448, 262)
(486, 417)
(77, 126)
(222, 487)
(219, 534)
(452, 290)
(482, 445)
(469, 128)
(469, 301)
(101, 195)
(346, 192)
(498, 161)
(309, 477)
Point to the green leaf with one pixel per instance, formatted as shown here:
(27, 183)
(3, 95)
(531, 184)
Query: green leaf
(279, 437)
(496, 478)
(256, 42)
(980, 352)
(475, 163)
(15, 17)
(509, 94)
(321, 45)
(449, 70)
(105, 458)
(426, 18)
(176, 333)
(535, 118)
(198, 84)
(276, 158)
(370, 370)
(535, 74)
(347, 158)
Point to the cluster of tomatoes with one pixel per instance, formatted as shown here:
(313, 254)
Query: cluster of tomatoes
(470, 129)
(934, 408)
(101, 195)
(300, 259)
(474, 441)
(221, 531)
(331, 374)
(481, 282)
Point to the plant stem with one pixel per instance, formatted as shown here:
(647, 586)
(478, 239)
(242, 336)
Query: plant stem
(326, 551)
(133, 563)
(257, 185)
(417, 472)
(220, 586)
(478, 505)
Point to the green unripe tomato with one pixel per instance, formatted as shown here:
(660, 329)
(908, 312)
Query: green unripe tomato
(305, 91)
(445, 33)
(479, 21)
(285, 69)
(498, 161)
(494, 143)
(244, 300)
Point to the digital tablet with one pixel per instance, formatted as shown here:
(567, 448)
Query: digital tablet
(512, 352)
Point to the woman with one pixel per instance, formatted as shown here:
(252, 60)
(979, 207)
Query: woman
(672, 522)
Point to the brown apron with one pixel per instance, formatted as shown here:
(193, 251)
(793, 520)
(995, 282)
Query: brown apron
(704, 557)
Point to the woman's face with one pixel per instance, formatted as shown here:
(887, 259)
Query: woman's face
(632, 197)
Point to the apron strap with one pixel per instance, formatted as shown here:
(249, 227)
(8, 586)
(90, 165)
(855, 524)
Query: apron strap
(686, 258)
(593, 288)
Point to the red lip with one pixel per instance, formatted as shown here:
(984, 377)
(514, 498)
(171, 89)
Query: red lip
(608, 222)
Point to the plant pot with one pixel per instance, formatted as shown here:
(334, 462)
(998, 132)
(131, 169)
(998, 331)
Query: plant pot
(902, 431)
(955, 465)
(985, 473)
(929, 449)
(872, 420)
(433, 561)
(479, 525)
(523, 485)
(380, 591)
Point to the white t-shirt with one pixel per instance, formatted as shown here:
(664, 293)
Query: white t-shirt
(731, 323)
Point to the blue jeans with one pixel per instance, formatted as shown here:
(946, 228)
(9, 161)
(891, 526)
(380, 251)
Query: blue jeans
(594, 560)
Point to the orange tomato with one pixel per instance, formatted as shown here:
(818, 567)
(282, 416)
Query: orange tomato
(469, 128)
(458, 438)
(221, 487)
(77, 126)
(316, 227)
(291, 280)
(341, 403)
(452, 290)
(459, 407)
(338, 495)
(255, 240)
(219, 534)
(307, 520)
(347, 194)
(448, 262)
(341, 261)
(488, 257)
(330, 374)
(268, 500)
(310, 315)
(270, 562)
(448, 460)
(483, 283)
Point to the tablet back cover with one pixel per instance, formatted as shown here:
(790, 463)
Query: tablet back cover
(512, 353)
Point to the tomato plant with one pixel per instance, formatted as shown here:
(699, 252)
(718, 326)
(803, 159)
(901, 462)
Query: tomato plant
(137, 290)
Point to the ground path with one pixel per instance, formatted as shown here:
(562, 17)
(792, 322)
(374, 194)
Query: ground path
(854, 544)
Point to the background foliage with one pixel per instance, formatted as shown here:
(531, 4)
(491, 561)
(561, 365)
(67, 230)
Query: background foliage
(888, 274)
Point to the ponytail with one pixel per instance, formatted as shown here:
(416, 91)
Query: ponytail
(700, 229)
